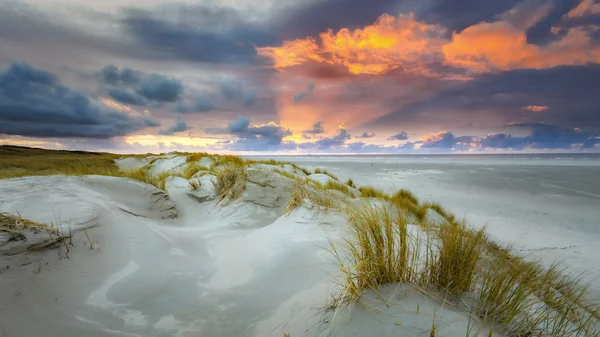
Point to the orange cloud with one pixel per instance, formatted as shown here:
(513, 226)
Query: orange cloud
(388, 44)
(586, 7)
(535, 108)
(486, 47)
(417, 47)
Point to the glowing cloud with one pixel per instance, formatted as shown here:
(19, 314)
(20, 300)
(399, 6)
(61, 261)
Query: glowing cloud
(486, 47)
(388, 44)
(413, 46)
(535, 108)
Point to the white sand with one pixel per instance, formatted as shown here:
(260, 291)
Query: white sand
(238, 269)
(547, 209)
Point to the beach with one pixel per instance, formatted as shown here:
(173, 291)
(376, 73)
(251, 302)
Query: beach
(546, 206)
(196, 253)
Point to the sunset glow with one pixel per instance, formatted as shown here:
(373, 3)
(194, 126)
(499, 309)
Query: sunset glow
(221, 77)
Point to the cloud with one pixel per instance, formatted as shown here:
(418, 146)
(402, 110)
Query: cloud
(305, 93)
(180, 126)
(201, 33)
(240, 125)
(125, 96)
(201, 104)
(528, 13)
(406, 44)
(317, 129)
(160, 88)
(535, 108)
(113, 76)
(542, 136)
(446, 140)
(332, 142)
(487, 47)
(400, 136)
(133, 87)
(495, 99)
(586, 7)
(366, 135)
(255, 138)
(235, 90)
(549, 136)
(34, 103)
(390, 43)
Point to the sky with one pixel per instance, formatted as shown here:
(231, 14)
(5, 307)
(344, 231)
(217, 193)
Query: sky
(300, 77)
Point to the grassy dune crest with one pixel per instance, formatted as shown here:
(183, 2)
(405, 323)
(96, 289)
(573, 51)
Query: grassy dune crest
(461, 265)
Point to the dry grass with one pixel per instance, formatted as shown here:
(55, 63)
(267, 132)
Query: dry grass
(287, 174)
(439, 209)
(230, 181)
(15, 222)
(191, 169)
(320, 171)
(372, 192)
(317, 198)
(194, 184)
(18, 162)
(406, 201)
(196, 156)
(377, 253)
(524, 298)
(350, 183)
(459, 251)
(335, 185)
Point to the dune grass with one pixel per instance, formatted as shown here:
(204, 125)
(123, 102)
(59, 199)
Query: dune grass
(230, 181)
(408, 202)
(20, 161)
(335, 185)
(523, 298)
(372, 192)
(196, 156)
(439, 209)
(321, 171)
(317, 198)
(351, 183)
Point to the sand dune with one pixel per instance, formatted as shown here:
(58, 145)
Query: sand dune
(144, 262)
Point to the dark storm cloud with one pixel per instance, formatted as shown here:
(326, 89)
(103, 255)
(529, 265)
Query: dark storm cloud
(34, 103)
(542, 136)
(548, 136)
(133, 87)
(255, 138)
(55, 33)
(400, 136)
(180, 126)
(125, 96)
(160, 88)
(112, 75)
(201, 33)
(570, 92)
(315, 17)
